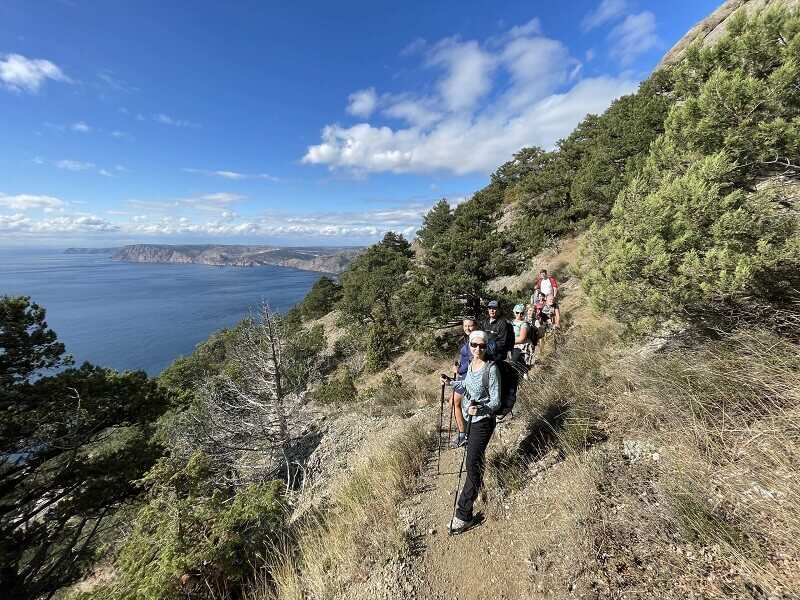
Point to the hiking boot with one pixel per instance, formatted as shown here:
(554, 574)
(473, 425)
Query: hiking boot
(460, 441)
(458, 526)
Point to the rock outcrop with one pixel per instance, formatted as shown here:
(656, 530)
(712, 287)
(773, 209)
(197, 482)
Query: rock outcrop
(711, 29)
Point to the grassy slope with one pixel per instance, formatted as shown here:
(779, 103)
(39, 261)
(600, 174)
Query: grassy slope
(625, 474)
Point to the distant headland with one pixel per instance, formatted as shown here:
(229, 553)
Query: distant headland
(309, 258)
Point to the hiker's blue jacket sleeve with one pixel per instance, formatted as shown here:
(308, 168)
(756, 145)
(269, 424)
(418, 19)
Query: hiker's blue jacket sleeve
(491, 406)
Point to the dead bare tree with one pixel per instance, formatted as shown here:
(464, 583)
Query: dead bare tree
(246, 420)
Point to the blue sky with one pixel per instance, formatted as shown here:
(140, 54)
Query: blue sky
(290, 122)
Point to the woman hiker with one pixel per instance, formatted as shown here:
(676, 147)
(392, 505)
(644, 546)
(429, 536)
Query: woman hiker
(479, 404)
(459, 372)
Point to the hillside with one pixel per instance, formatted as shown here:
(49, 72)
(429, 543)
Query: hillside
(322, 259)
(712, 28)
(654, 446)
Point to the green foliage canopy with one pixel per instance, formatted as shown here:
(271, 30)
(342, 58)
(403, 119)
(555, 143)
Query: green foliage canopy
(70, 446)
(708, 219)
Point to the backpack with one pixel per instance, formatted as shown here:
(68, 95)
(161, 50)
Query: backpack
(509, 380)
(509, 343)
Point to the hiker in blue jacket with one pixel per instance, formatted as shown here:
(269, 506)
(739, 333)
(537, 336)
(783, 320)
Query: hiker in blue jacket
(479, 404)
(459, 372)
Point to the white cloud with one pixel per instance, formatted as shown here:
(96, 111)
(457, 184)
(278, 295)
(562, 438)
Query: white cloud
(215, 202)
(467, 72)
(606, 11)
(167, 120)
(371, 224)
(226, 223)
(635, 35)
(105, 173)
(31, 202)
(232, 175)
(532, 27)
(362, 103)
(80, 127)
(216, 198)
(120, 134)
(21, 224)
(74, 165)
(22, 74)
(537, 97)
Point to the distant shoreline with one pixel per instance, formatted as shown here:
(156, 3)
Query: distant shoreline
(308, 258)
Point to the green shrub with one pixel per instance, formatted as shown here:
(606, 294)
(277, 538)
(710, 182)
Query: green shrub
(339, 389)
(391, 395)
(191, 528)
(693, 227)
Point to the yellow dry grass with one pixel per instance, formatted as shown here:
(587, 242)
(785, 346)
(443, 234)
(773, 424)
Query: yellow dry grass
(361, 527)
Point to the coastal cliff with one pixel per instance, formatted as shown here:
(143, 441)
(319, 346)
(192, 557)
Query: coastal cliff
(320, 259)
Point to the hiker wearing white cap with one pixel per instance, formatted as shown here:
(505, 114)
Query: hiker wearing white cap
(480, 402)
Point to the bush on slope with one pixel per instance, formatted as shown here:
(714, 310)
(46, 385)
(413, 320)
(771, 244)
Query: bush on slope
(709, 219)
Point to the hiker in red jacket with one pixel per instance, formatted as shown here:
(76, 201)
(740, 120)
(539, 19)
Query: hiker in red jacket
(547, 284)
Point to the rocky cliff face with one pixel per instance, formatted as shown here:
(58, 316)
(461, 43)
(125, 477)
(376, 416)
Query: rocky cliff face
(711, 29)
(325, 260)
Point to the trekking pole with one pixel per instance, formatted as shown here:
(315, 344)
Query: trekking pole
(452, 414)
(460, 470)
(439, 431)
(452, 406)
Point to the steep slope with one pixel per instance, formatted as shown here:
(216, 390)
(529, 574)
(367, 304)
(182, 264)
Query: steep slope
(714, 26)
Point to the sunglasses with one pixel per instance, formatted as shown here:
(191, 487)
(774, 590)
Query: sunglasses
(518, 313)
(476, 345)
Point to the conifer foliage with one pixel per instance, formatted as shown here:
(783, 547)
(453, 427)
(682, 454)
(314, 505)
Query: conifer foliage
(71, 445)
(712, 215)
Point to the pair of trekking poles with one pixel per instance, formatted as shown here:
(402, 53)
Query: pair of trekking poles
(449, 433)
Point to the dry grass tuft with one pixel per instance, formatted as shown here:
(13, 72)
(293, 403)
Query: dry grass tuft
(729, 413)
(361, 528)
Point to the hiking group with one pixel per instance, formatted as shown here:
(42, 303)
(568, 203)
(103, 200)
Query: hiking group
(493, 354)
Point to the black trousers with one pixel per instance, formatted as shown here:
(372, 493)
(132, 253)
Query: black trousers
(480, 432)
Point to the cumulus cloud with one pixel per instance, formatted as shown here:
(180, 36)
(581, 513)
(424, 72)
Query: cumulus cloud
(370, 224)
(26, 202)
(467, 72)
(635, 35)
(606, 11)
(183, 218)
(468, 145)
(80, 127)
(22, 74)
(22, 224)
(362, 103)
(517, 89)
(232, 175)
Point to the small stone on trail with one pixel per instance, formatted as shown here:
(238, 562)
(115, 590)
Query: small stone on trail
(431, 531)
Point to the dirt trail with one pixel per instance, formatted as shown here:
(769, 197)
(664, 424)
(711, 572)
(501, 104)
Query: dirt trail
(484, 562)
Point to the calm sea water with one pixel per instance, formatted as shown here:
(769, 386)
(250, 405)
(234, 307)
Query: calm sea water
(142, 316)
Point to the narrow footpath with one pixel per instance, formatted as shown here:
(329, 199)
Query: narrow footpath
(491, 560)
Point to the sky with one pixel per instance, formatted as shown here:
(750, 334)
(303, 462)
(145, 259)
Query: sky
(292, 123)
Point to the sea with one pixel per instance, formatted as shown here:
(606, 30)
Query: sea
(142, 316)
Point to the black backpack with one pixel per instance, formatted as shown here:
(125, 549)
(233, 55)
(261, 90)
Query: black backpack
(509, 380)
